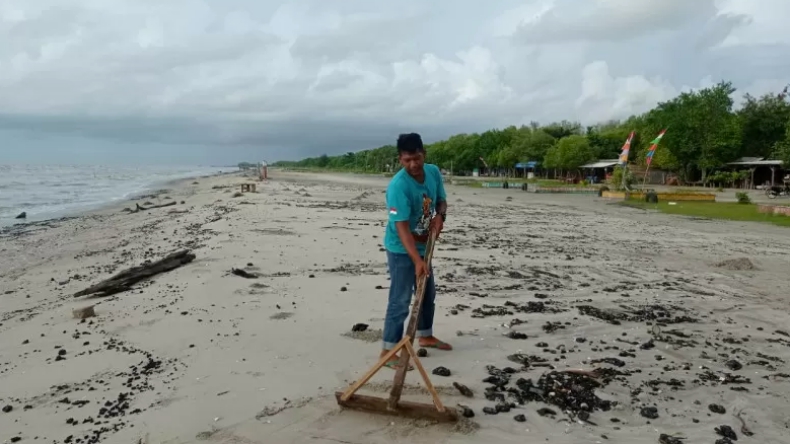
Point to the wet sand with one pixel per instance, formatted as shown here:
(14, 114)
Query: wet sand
(684, 321)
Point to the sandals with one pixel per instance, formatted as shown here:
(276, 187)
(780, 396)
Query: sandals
(438, 345)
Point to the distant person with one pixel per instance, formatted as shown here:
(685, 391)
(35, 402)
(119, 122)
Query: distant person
(417, 205)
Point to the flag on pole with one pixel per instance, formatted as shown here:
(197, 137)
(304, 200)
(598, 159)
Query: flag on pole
(626, 149)
(653, 146)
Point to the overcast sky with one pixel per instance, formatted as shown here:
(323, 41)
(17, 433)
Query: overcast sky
(219, 81)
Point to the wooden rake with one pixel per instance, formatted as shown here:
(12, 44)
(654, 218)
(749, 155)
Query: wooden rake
(394, 405)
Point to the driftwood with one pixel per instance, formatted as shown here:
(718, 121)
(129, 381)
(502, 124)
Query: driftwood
(139, 208)
(244, 274)
(126, 279)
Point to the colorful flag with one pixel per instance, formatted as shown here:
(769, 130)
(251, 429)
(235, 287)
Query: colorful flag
(653, 146)
(626, 149)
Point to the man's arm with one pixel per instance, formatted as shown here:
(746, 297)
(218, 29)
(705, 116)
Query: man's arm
(441, 195)
(437, 223)
(441, 207)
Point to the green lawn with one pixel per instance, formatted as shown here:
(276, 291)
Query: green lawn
(713, 210)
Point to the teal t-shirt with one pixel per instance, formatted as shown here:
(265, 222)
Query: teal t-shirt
(409, 200)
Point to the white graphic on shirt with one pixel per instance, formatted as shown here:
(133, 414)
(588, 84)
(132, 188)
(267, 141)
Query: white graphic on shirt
(425, 218)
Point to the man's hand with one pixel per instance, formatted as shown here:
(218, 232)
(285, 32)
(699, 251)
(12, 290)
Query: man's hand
(421, 268)
(437, 224)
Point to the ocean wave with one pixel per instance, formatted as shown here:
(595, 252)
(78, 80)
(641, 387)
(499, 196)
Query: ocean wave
(47, 191)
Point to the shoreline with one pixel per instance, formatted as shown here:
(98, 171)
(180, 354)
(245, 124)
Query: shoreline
(89, 209)
(199, 353)
(40, 213)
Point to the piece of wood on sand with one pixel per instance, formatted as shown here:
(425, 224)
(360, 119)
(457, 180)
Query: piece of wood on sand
(140, 208)
(126, 279)
(408, 409)
(84, 312)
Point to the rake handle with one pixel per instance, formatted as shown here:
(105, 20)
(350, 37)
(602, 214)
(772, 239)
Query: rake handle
(411, 328)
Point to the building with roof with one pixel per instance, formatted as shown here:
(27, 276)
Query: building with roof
(763, 172)
(527, 169)
(600, 170)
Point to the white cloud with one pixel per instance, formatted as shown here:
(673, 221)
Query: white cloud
(768, 22)
(508, 22)
(599, 20)
(604, 97)
(279, 73)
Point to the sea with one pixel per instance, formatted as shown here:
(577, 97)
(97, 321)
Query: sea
(52, 191)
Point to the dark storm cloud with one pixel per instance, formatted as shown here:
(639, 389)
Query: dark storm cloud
(288, 79)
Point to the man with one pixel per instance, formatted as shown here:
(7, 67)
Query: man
(417, 205)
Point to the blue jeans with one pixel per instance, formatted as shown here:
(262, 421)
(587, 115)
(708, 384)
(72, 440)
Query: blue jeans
(403, 283)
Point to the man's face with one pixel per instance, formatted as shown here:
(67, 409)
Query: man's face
(413, 163)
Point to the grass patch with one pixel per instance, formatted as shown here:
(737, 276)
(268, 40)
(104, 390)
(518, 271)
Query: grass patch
(713, 210)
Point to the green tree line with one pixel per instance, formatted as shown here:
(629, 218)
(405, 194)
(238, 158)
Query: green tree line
(704, 133)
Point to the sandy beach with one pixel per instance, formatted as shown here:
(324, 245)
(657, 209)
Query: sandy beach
(683, 320)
